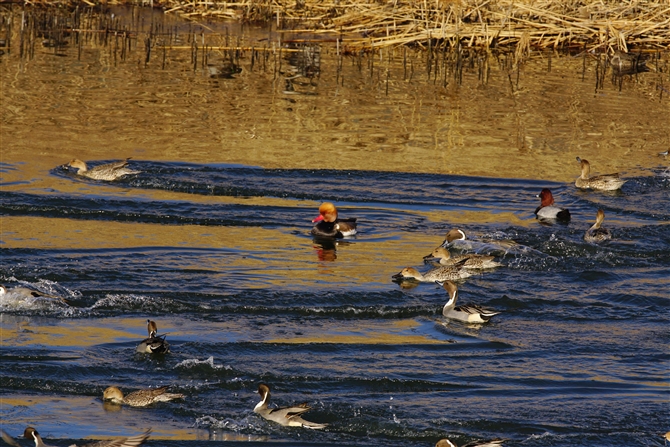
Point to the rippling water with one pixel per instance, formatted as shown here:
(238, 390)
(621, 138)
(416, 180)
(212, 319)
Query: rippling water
(220, 256)
(218, 252)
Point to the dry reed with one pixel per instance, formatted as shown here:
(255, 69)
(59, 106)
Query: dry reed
(604, 25)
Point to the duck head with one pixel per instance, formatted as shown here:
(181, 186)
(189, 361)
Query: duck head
(327, 213)
(546, 197)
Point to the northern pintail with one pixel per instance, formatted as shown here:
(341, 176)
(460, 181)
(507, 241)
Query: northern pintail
(108, 171)
(155, 344)
(442, 273)
(286, 416)
(329, 225)
(456, 238)
(596, 233)
(24, 293)
(140, 398)
(605, 182)
(468, 313)
(443, 256)
(130, 441)
(483, 443)
(547, 210)
(8, 439)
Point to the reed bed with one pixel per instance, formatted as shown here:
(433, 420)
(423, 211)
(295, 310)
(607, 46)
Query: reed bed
(601, 26)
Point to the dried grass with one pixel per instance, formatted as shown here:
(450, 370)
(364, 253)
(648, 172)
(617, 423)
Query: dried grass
(605, 25)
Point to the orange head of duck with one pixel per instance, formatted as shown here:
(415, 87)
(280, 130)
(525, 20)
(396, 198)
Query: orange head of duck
(546, 197)
(327, 213)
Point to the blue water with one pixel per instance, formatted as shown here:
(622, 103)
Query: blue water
(221, 258)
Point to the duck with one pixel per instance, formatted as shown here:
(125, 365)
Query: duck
(596, 233)
(329, 225)
(454, 235)
(21, 294)
(547, 210)
(605, 182)
(469, 313)
(130, 441)
(108, 171)
(140, 398)
(627, 63)
(286, 416)
(442, 273)
(471, 261)
(482, 443)
(457, 238)
(155, 344)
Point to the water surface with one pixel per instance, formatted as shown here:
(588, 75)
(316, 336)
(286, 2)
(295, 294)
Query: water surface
(211, 240)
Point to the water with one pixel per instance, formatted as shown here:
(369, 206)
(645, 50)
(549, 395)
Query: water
(246, 296)
(212, 242)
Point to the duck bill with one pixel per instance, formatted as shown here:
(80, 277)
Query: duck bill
(317, 219)
(398, 277)
(430, 258)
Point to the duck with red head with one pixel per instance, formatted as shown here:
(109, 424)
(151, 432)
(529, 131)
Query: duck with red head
(548, 211)
(329, 225)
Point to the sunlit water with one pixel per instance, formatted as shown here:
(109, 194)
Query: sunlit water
(220, 256)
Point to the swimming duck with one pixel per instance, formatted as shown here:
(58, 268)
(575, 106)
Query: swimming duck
(140, 398)
(130, 441)
(456, 238)
(469, 313)
(596, 233)
(487, 443)
(287, 416)
(155, 344)
(328, 224)
(109, 171)
(442, 273)
(470, 261)
(627, 63)
(605, 182)
(547, 209)
(24, 293)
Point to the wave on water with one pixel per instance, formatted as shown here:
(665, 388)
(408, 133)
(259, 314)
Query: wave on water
(140, 303)
(194, 363)
(42, 297)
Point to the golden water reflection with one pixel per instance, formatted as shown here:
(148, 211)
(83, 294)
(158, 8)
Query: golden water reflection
(526, 124)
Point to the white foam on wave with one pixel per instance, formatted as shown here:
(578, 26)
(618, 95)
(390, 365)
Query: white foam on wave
(125, 301)
(229, 429)
(16, 299)
(190, 363)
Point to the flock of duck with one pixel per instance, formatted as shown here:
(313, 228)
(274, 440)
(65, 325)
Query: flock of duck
(327, 224)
